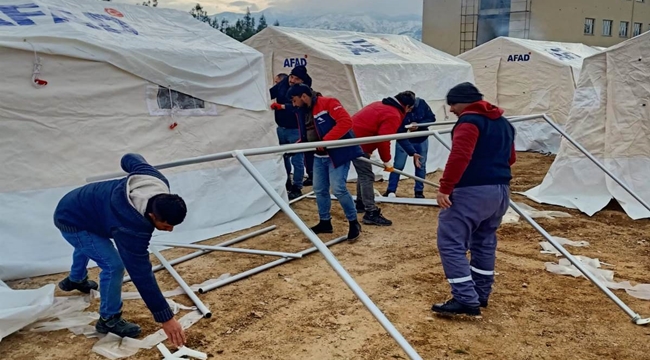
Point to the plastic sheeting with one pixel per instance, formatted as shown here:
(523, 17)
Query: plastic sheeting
(529, 77)
(164, 46)
(511, 217)
(610, 117)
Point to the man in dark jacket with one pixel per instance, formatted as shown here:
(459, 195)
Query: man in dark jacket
(324, 119)
(474, 195)
(126, 210)
(285, 118)
(420, 114)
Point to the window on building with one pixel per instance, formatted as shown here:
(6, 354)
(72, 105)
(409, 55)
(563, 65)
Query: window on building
(623, 28)
(607, 27)
(589, 26)
(637, 29)
(494, 4)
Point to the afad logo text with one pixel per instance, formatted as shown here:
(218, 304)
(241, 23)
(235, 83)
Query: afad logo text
(519, 57)
(293, 62)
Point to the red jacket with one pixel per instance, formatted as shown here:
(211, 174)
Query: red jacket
(377, 119)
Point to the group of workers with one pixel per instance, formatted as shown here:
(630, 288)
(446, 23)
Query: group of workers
(473, 195)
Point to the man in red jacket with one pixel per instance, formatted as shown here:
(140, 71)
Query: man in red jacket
(474, 195)
(378, 118)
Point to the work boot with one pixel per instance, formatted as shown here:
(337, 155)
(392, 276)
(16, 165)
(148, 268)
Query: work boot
(355, 230)
(84, 285)
(376, 218)
(361, 208)
(118, 326)
(419, 195)
(295, 192)
(453, 307)
(323, 227)
(484, 303)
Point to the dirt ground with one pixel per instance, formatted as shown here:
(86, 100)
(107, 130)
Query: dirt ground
(303, 310)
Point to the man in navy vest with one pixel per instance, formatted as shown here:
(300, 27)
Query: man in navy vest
(126, 210)
(474, 195)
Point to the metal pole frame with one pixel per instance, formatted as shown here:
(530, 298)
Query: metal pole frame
(636, 318)
(227, 249)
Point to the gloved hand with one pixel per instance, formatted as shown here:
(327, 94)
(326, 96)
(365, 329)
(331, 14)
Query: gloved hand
(388, 166)
(276, 106)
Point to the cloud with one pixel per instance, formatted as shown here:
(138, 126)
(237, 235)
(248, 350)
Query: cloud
(244, 5)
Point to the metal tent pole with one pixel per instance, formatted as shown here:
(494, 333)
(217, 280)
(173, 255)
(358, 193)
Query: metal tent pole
(227, 249)
(636, 318)
(595, 161)
(203, 252)
(264, 267)
(327, 254)
(416, 178)
(199, 304)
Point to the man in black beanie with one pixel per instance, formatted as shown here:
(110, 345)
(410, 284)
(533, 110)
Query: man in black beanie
(474, 195)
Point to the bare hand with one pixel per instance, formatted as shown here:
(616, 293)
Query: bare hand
(414, 126)
(416, 160)
(443, 200)
(174, 332)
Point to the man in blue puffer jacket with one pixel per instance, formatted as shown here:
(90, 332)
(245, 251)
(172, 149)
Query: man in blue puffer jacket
(126, 210)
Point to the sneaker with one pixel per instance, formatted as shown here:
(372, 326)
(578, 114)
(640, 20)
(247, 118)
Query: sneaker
(84, 286)
(361, 208)
(376, 218)
(118, 326)
(388, 194)
(484, 303)
(355, 231)
(323, 227)
(295, 192)
(453, 307)
(419, 195)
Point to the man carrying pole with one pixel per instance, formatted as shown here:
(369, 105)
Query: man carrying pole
(323, 119)
(474, 195)
(126, 210)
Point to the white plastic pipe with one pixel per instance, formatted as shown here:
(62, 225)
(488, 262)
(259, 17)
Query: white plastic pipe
(264, 267)
(182, 351)
(203, 252)
(327, 254)
(300, 197)
(227, 249)
(195, 299)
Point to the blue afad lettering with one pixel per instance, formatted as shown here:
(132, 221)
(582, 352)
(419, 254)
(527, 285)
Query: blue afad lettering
(520, 57)
(293, 62)
(22, 17)
(360, 46)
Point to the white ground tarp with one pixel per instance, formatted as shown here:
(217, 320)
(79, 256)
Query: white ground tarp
(610, 117)
(91, 113)
(529, 77)
(360, 68)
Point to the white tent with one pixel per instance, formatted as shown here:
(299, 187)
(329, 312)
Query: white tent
(360, 68)
(610, 117)
(529, 77)
(118, 76)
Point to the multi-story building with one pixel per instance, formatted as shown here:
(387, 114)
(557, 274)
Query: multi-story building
(455, 26)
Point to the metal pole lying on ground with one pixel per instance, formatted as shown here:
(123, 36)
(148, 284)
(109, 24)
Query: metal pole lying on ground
(227, 249)
(595, 161)
(261, 268)
(327, 254)
(636, 318)
(199, 304)
(203, 252)
(301, 197)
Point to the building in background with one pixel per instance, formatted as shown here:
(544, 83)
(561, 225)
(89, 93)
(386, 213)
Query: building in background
(456, 26)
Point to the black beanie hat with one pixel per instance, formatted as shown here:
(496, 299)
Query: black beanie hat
(301, 73)
(464, 93)
(299, 90)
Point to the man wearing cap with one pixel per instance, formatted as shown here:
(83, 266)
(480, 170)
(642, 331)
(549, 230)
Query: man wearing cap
(474, 195)
(285, 118)
(323, 119)
(378, 118)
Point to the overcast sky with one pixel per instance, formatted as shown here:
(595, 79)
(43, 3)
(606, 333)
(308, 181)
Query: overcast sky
(390, 7)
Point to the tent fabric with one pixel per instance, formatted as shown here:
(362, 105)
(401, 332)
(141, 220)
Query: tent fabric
(360, 68)
(529, 77)
(150, 43)
(610, 118)
(88, 116)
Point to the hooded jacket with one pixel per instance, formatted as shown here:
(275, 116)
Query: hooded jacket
(378, 118)
(482, 149)
(284, 118)
(420, 114)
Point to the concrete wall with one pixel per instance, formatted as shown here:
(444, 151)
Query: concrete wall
(441, 25)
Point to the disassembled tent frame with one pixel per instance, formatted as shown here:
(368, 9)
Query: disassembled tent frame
(241, 156)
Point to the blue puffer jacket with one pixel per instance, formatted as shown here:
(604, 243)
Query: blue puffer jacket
(420, 114)
(103, 208)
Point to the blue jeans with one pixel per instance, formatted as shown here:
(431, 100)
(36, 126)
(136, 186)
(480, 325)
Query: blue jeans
(326, 176)
(291, 136)
(102, 251)
(400, 161)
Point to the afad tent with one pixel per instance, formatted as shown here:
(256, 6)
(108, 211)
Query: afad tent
(121, 79)
(360, 68)
(529, 77)
(610, 117)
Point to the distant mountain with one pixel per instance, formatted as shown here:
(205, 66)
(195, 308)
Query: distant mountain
(410, 25)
